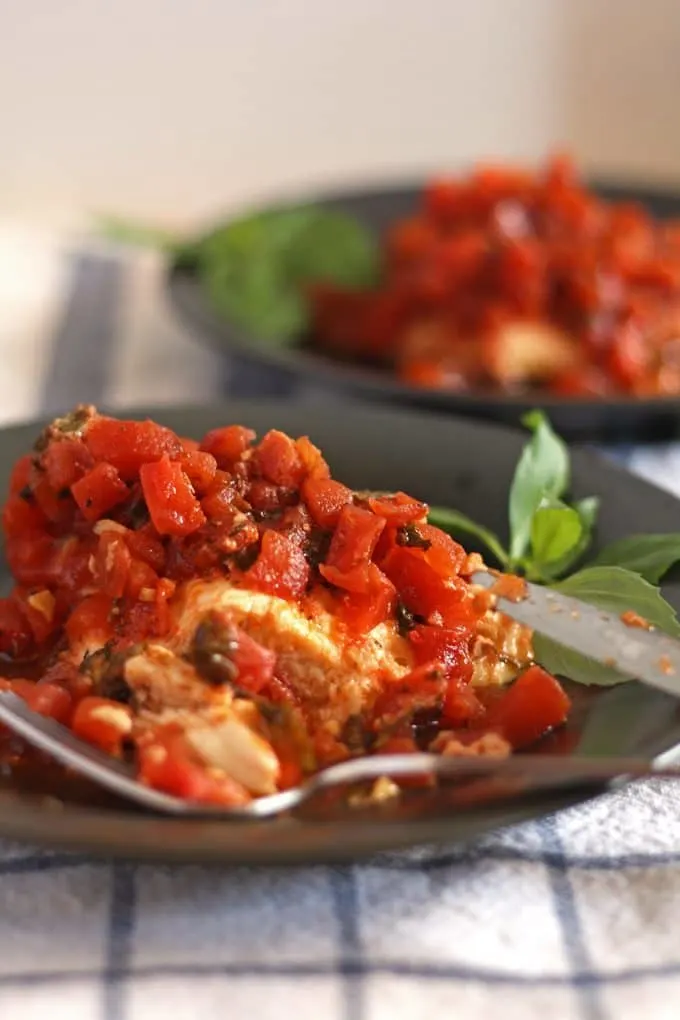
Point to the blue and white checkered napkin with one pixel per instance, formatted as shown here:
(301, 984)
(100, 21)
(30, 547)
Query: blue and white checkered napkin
(575, 916)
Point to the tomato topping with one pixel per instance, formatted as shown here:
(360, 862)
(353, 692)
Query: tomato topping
(112, 564)
(253, 662)
(281, 567)
(102, 722)
(461, 705)
(30, 558)
(170, 499)
(534, 704)
(21, 516)
(39, 609)
(65, 461)
(312, 459)
(354, 538)
(325, 499)
(99, 491)
(228, 444)
(398, 508)
(45, 699)
(364, 610)
(130, 444)
(145, 545)
(448, 646)
(21, 474)
(90, 621)
(279, 460)
(200, 468)
(16, 635)
(422, 590)
(165, 765)
(442, 553)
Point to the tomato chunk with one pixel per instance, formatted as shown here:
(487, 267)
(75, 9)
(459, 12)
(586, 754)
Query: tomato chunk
(227, 445)
(21, 516)
(354, 538)
(65, 461)
(423, 687)
(99, 491)
(533, 705)
(163, 766)
(16, 635)
(278, 459)
(130, 444)
(200, 468)
(398, 508)
(102, 722)
(325, 499)
(90, 621)
(449, 646)
(422, 590)
(253, 662)
(366, 609)
(45, 699)
(281, 567)
(170, 499)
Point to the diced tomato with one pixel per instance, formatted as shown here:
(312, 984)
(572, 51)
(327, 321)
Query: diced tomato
(461, 706)
(163, 767)
(449, 646)
(141, 580)
(90, 620)
(422, 590)
(281, 567)
(102, 722)
(264, 497)
(290, 767)
(112, 564)
(398, 508)
(354, 538)
(71, 560)
(130, 444)
(65, 461)
(362, 611)
(200, 468)
(31, 558)
(534, 704)
(16, 636)
(58, 508)
(98, 491)
(424, 687)
(170, 499)
(21, 517)
(312, 459)
(356, 579)
(278, 459)
(45, 699)
(254, 663)
(227, 445)
(325, 499)
(218, 501)
(144, 544)
(21, 474)
(444, 555)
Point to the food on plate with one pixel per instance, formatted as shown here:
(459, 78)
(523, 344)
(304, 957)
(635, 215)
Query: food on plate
(512, 281)
(231, 618)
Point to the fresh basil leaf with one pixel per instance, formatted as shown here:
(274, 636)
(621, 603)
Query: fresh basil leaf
(555, 530)
(542, 473)
(651, 556)
(587, 510)
(256, 269)
(454, 522)
(139, 234)
(614, 589)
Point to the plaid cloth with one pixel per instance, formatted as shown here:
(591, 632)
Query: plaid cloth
(572, 916)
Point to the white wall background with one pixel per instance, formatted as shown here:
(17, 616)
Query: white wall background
(175, 108)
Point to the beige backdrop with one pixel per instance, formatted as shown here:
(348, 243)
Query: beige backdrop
(175, 107)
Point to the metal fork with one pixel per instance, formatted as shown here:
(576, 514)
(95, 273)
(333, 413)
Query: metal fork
(532, 772)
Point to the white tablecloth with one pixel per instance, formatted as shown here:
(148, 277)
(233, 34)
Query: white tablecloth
(574, 916)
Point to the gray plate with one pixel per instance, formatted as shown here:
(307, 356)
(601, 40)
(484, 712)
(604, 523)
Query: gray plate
(443, 460)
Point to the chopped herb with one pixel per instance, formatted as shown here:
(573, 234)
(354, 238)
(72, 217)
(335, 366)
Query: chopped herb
(406, 620)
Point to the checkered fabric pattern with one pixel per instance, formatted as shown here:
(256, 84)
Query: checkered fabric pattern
(573, 916)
